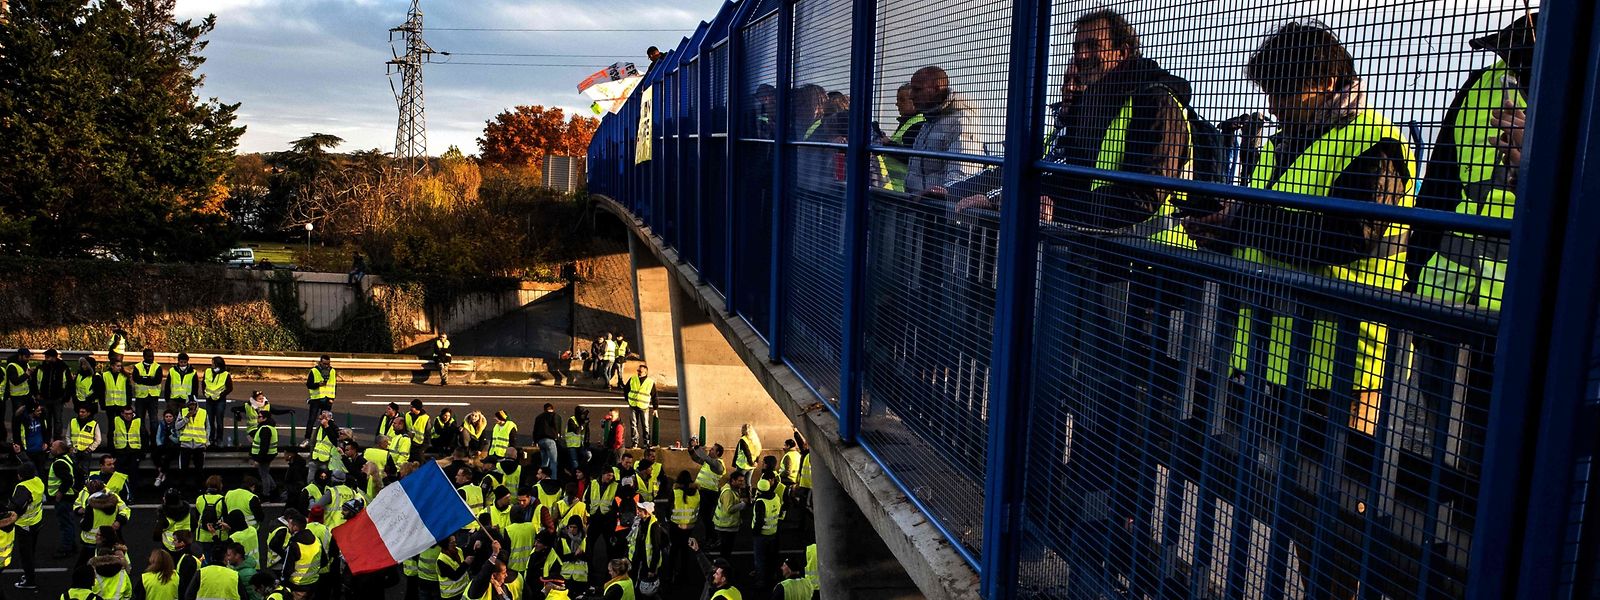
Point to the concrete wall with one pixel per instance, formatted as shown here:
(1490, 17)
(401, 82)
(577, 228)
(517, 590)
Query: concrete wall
(468, 310)
(603, 299)
(657, 341)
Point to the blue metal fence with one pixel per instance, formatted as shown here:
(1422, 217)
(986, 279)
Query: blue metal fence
(1125, 318)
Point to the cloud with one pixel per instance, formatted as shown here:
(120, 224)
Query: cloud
(299, 66)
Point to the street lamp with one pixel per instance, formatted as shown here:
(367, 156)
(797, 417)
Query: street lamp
(309, 227)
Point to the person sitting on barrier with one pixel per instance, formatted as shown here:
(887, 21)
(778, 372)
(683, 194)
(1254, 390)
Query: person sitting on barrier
(949, 128)
(1472, 170)
(1329, 144)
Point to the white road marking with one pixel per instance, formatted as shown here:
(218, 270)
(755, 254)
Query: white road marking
(487, 396)
(377, 403)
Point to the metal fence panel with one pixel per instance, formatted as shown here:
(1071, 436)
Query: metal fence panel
(752, 208)
(713, 205)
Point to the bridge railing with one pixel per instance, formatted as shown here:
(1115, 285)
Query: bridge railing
(1121, 350)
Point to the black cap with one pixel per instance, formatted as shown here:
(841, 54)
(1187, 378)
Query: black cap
(1518, 34)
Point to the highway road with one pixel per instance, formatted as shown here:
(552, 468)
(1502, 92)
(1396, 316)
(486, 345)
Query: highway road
(359, 404)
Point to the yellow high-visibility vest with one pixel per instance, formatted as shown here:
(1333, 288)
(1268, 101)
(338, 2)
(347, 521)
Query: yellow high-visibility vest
(35, 509)
(218, 583)
(125, 435)
(194, 431)
(685, 508)
(326, 389)
(24, 386)
(639, 392)
(143, 390)
(116, 389)
(501, 439)
(180, 386)
(215, 382)
(83, 434)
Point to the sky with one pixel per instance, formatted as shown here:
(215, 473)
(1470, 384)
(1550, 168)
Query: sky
(304, 66)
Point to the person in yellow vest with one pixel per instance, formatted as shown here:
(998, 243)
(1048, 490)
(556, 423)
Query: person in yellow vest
(647, 545)
(709, 478)
(263, 450)
(85, 435)
(608, 355)
(571, 505)
(235, 558)
(731, 501)
(641, 391)
(159, 581)
(420, 425)
(574, 439)
(175, 515)
(453, 568)
(111, 390)
(444, 435)
(322, 381)
(215, 384)
(302, 565)
(211, 508)
(243, 502)
(27, 506)
(323, 440)
(127, 445)
(767, 510)
(545, 487)
(118, 345)
(441, 357)
(1328, 144)
(648, 478)
(61, 488)
(620, 585)
(474, 432)
(19, 379)
(317, 525)
(813, 574)
(148, 379)
(471, 493)
(494, 580)
(112, 476)
(181, 385)
(386, 422)
(747, 453)
(793, 585)
(217, 582)
(96, 508)
(111, 580)
(426, 567)
(193, 437)
(504, 435)
(573, 548)
(601, 496)
(86, 382)
(684, 515)
(186, 564)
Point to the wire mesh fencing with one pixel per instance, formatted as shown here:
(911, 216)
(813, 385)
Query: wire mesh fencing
(1274, 248)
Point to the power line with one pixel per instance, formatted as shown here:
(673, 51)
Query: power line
(516, 29)
(533, 55)
(500, 64)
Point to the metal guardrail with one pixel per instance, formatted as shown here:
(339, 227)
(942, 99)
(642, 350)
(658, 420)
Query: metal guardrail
(202, 359)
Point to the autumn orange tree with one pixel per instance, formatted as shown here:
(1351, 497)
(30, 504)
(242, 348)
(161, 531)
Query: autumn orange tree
(523, 136)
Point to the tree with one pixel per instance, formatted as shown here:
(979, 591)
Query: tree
(110, 149)
(523, 136)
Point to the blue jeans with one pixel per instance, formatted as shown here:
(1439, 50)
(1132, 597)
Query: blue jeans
(547, 456)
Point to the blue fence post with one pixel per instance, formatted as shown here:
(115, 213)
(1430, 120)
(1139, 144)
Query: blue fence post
(1546, 338)
(1016, 271)
(863, 26)
(780, 178)
(702, 93)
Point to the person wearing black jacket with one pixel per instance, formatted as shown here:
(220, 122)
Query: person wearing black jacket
(55, 388)
(546, 430)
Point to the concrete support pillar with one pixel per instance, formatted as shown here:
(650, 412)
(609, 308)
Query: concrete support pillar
(853, 561)
(652, 298)
(715, 383)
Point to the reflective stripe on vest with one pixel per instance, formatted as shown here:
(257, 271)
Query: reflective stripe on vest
(18, 389)
(895, 166)
(141, 390)
(812, 567)
(306, 569)
(773, 513)
(1162, 226)
(116, 389)
(270, 446)
(708, 479)
(194, 431)
(427, 565)
(322, 449)
(639, 392)
(1313, 174)
(216, 382)
(115, 587)
(804, 481)
(83, 434)
(575, 570)
(1471, 269)
(35, 510)
(450, 587)
(125, 435)
(743, 459)
(796, 588)
(501, 438)
(725, 519)
(83, 386)
(642, 531)
(169, 537)
(685, 508)
(238, 501)
(326, 389)
(53, 485)
(180, 385)
(8, 544)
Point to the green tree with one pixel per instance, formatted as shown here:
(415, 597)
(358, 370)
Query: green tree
(110, 148)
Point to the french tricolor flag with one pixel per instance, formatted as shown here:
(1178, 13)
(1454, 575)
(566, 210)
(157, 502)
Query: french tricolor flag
(405, 519)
